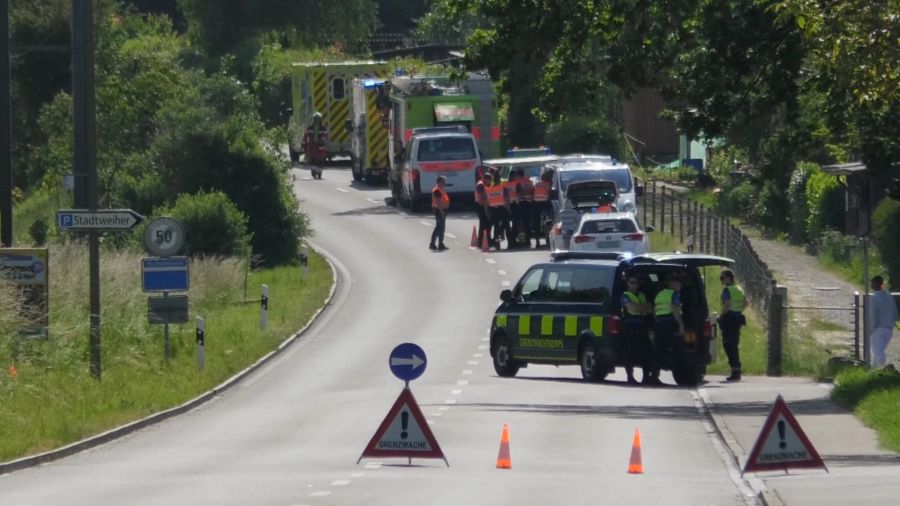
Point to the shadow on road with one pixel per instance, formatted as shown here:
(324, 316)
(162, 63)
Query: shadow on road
(861, 460)
(629, 412)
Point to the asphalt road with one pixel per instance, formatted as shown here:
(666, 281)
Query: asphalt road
(292, 433)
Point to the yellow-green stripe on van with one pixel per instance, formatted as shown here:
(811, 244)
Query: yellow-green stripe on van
(524, 325)
(547, 325)
(500, 319)
(571, 327)
(596, 324)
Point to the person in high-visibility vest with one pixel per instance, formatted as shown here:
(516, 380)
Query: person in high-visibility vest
(499, 209)
(481, 206)
(669, 328)
(731, 321)
(635, 311)
(440, 203)
(541, 206)
(315, 145)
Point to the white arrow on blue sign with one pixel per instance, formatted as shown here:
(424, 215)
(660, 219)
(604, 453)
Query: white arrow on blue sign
(76, 220)
(408, 361)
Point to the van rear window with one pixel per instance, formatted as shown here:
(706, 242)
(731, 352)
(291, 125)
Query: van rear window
(446, 148)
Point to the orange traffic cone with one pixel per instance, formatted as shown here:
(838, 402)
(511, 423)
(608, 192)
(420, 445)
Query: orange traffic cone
(636, 466)
(503, 459)
(485, 244)
(13, 372)
(474, 242)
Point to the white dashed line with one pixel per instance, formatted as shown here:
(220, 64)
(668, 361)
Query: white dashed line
(482, 347)
(490, 260)
(375, 201)
(456, 392)
(437, 414)
(343, 190)
(321, 493)
(357, 475)
(501, 272)
(478, 355)
(443, 408)
(505, 283)
(425, 223)
(340, 483)
(450, 401)
(462, 383)
(484, 338)
(467, 372)
(450, 235)
(472, 362)
(373, 465)
(430, 422)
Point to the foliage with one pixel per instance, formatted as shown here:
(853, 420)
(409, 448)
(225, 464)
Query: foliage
(737, 200)
(884, 231)
(213, 225)
(825, 204)
(584, 135)
(798, 210)
(769, 208)
(449, 22)
(844, 254)
(400, 16)
(874, 396)
(219, 27)
(724, 161)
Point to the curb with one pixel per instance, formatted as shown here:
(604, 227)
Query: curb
(735, 452)
(124, 430)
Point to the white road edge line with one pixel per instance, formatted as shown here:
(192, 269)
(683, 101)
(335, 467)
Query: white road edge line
(501, 272)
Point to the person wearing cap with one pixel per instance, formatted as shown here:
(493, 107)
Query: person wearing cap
(440, 203)
(315, 145)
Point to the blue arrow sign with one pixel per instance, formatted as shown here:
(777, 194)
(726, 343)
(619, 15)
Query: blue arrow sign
(407, 361)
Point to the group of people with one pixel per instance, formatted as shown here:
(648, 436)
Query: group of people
(664, 315)
(512, 209)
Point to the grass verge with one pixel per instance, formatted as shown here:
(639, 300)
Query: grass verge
(801, 355)
(874, 396)
(52, 400)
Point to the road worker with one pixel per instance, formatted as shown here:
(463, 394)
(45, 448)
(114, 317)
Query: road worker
(440, 204)
(731, 321)
(482, 209)
(315, 145)
(497, 208)
(540, 206)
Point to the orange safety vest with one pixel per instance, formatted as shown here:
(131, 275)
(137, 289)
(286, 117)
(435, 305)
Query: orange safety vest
(495, 195)
(511, 191)
(442, 203)
(527, 188)
(542, 191)
(480, 196)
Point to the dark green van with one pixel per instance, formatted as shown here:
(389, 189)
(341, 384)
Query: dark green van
(568, 312)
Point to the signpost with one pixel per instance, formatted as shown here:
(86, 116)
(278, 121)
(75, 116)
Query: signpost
(164, 237)
(101, 220)
(166, 275)
(404, 431)
(28, 270)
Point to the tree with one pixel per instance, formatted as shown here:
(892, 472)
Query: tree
(399, 16)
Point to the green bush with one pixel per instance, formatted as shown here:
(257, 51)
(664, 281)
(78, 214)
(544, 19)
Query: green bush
(725, 160)
(737, 200)
(884, 231)
(836, 247)
(798, 212)
(825, 200)
(769, 207)
(584, 135)
(213, 225)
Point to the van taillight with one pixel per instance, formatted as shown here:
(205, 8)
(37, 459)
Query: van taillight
(614, 325)
(582, 239)
(707, 329)
(633, 237)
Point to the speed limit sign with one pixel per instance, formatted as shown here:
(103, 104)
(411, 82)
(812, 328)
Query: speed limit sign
(164, 237)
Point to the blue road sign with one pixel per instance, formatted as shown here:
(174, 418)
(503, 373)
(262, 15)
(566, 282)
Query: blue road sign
(165, 274)
(407, 361)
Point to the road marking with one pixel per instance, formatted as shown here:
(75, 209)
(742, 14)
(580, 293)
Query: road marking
(479, 355)
(343, 190)
(467, 372)
(373, 465)
(340, 483)
(462, 383)
(437, 414)
(490, 260)
(484, 339)
(450, 401)
(505, 283)
(321, 493)
(430, 422)
(472, 362)
(375, 201)
(482, 347)
(501, 272)
(427, 224)
(443, 408)
(357, 475)
(456, 392)
(450, 235)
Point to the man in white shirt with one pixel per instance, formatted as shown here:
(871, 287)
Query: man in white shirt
(882, 318)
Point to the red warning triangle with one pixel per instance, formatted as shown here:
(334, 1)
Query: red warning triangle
(782, 444)
(404, 433)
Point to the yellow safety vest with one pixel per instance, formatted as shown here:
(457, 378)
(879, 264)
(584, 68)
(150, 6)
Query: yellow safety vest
(663, 302)
(738, 302)
(636, 299)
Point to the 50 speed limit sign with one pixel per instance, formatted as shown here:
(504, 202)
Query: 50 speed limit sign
(164, 237)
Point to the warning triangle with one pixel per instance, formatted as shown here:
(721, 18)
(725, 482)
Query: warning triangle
(404, 433)
(782, 444)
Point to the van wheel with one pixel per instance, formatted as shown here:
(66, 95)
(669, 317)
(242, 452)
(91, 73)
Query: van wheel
(504, 364)
(686, 376)
(592, 368)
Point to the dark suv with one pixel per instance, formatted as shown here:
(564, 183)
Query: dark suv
(568, 312)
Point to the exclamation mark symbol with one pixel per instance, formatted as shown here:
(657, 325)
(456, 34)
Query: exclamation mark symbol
(404, 423)
(782, 444)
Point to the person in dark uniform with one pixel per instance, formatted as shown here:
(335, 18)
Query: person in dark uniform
(482, 208)
(731, 321)
(635, 311)
(669, 328)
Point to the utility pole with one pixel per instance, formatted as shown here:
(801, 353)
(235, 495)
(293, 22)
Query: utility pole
(85, 163)
(6, 173)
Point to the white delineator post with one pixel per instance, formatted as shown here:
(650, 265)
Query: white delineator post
(201, 343)
(264, 308)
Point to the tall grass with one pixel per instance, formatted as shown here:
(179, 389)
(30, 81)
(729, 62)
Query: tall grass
(54, 400)
(874, 396)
